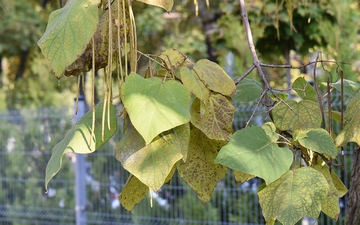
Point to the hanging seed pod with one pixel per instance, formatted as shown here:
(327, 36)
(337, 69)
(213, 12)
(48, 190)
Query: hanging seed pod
(101, 40)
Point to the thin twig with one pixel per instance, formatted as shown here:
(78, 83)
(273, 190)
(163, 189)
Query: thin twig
(251, 44)
(329, 114)
(302, 66)
(252, 67)
(256, 107)
(318, 94)
(266, 85)
(342, 124)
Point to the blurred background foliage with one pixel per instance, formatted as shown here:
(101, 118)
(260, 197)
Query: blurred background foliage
(284, 31)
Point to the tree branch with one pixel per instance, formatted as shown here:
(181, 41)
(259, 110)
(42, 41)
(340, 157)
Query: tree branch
(256, 61)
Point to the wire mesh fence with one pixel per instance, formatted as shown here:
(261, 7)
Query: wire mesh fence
(26, 140)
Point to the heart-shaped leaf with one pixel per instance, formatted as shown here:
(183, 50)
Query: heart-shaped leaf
(152, 163)
(68, 32)
(155, 106)
(199, 170)
(294, 195)
(252, 151)
(78, 139)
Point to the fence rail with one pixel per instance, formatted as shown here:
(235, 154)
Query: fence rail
(26, 140)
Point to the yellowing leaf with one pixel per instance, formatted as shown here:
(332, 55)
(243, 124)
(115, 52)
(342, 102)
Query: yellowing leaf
(165, 4)
(152, 163)
(155, 106)
(319, 140)
(214, 77)
(298, 116)
(294, 195)
(132, 193)
(351, 131)
(78, 139)
(252, 151)
(330, 205)
(241, 177)
(172, 59)
(199, 171)
(193, 83)
(68, 32)
(216, 121)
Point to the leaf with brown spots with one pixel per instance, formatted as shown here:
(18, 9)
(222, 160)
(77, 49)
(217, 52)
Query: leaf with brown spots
(133, 192)
(294, 195)
(172, 59)
(214, 77)
(216, 121)
(199, 171)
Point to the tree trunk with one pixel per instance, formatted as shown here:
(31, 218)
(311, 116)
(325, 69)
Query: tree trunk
(353, 204)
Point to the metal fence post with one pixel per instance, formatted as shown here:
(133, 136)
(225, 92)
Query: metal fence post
(80, 173)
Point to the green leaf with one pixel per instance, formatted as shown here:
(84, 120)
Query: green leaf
(351, 131)
(155, 106)
(68, 32)
(351, 88)
(304, 89)
(165, 4)
(319, 140)
(132, 193)
(330, 204)
(298, 116)
(152, 163)
(214, 77)
(199, 170)
(248, 90)
(252, 151)
(294, 195)
(193, 83)
(216, 121)
(77, 140)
